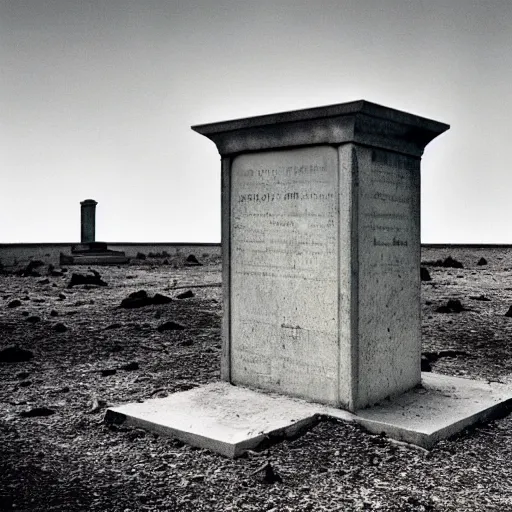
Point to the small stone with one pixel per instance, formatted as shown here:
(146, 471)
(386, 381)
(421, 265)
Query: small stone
(114, 326)
(425, 364)
(192, 261)
(170, 326)
(108, 372)
(425, 274)
(482, 261)
(14, 303)
(268, 474)
(452, 306)
(22, 375)
(15, 355)
(161, 299)
(33, 319)
(62, 296)
(141, 294)
(481, 298)
(25, 313)
(60, 327)
(185, 295)
(509, 312)
(130, 366)
(54, 313)
(37, 411)
(25, 383)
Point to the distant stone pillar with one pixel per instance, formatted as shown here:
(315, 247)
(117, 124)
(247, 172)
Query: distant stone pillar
(88, 221)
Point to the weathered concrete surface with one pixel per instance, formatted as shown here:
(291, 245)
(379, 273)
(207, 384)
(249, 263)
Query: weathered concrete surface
(284, 290)
(230, 420)
(442, 407)
(220, 417)
(321, 238)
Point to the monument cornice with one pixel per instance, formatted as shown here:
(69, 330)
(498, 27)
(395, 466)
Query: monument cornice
(359, 122)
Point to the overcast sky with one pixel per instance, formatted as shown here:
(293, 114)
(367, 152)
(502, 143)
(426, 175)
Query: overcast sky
(97, 99)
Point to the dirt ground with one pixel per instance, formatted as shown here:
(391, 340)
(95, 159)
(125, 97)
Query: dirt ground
(70, 460)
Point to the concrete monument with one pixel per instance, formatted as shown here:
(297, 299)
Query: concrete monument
(321, 243)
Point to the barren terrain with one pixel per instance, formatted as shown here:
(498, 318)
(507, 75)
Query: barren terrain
(101, 354)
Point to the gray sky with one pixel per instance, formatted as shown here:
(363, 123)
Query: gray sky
(97, 100)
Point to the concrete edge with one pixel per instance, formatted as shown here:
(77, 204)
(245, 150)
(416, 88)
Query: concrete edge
(227, 449)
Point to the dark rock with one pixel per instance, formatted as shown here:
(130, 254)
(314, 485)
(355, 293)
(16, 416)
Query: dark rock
(185, 295)
(22, 375)
(15, 355)
(452, 263)
(455, 305)
(141, 256)
(448, 262)
(480, 297)
(62, 296)
(267, 474)
(141, 294)
(88, 279)
(29, 270)
(161, 299)
(25, 383)
(452, 306)
(25, 313)
(482, 261)
(170, 326)
(33, 319)
(60, 327)
(425, 274)
(108, 372)
(432, 357)
(54, 273)
(192, 261)
(54, 313)
(37, 411)
(114, 326)
(136, 302)
(140, 301)
(14, 303)
(44, 281)
(509, 312)
(130, 366)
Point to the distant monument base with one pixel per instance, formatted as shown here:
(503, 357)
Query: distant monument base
(93, 253)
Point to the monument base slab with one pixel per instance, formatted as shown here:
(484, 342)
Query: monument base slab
(230, 420)
(94, 253)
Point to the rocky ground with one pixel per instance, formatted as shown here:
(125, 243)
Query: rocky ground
(57, 454)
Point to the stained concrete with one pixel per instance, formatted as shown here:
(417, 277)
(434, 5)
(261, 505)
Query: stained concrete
(229, 419)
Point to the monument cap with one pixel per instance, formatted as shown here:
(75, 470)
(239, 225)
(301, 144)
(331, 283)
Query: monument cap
(361, 122)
